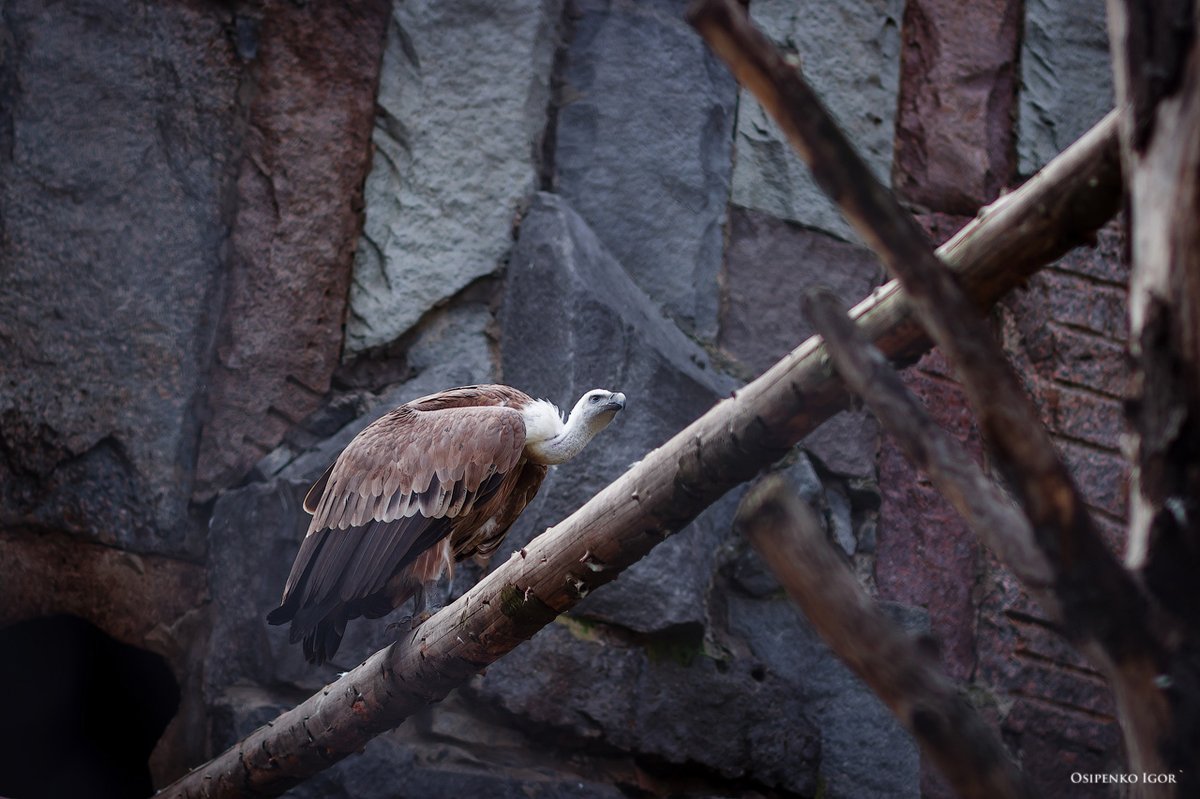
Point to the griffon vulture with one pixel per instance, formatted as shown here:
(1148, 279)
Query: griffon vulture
(431, 482)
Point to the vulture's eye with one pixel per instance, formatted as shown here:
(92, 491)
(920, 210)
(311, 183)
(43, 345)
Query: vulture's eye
(595, 398)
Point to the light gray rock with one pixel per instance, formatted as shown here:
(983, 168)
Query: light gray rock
(841, 527)
(850, 52)
(573, 320)
(1066, 77)
(118, 138)
(846, 443)
(643, 148)
(865, 753)
(455, 155)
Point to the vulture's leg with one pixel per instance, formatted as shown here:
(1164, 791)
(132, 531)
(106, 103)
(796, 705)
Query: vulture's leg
(421, 613)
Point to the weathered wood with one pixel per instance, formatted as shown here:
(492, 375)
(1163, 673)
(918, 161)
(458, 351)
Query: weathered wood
(1105, 612)
(788, 536)
(1156, 55)
(1075, 194)
(988, 511)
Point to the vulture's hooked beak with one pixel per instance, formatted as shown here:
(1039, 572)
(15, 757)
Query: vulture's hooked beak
(616, 402)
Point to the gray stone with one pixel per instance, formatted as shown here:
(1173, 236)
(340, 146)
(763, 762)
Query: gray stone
(1066, 77)
(741, 563)
(846, 443)
(573, 320)
(864, 751)
(685, 708)
(643, 148)
(454, 155)
(841, 526)
(403, 764)
(253, 536)
(118, 142)
(850, 52)
(769, 266)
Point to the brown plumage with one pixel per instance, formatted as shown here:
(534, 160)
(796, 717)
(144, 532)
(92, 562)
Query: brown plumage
(431, 482)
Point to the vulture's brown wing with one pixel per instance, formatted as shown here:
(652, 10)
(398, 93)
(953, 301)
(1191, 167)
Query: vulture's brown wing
(391, 495)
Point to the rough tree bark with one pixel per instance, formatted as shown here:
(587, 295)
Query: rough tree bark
(1156, 55)
(1147, 653)
(1053, 212)
(791, 541)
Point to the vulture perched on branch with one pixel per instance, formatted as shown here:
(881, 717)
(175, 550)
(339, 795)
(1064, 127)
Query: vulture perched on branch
(431, 482)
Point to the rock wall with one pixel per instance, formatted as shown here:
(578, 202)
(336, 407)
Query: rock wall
(277, 221)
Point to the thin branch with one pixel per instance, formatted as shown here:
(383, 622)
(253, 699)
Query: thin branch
(966, 750)
(1100, 600)
(1078, 192)
(989, 512)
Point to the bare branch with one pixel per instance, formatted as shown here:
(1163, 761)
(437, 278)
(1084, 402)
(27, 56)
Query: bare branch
(966, 750)
(1100, 600)
(1079, 191)
(999, 524)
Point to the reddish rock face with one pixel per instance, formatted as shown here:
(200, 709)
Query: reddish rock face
(1063, 334)
(954, 130)
(769, 265)
(298, 219)
(925, 555)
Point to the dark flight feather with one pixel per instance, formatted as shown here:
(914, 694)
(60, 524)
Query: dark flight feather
(440, 466)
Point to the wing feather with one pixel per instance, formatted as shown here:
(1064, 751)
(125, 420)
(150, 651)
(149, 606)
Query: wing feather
(391, 495)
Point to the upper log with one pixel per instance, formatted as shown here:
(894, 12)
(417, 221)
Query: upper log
(1054, 211)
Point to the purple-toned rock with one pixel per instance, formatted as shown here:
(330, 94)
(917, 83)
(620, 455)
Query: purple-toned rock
(769, 265)
(958, 90)
(307, 150)
(925, 555)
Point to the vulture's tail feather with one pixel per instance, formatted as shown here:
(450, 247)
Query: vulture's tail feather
(323, 641)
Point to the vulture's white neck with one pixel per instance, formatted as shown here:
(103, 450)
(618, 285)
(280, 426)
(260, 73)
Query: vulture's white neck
(550, 440)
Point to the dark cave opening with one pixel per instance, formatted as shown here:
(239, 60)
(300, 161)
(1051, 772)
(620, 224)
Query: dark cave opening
(82, 711)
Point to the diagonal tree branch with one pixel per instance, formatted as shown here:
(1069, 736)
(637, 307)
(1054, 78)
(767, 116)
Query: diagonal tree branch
(1107, 614)
(1074, 195)
(792, 543)
(989, 512)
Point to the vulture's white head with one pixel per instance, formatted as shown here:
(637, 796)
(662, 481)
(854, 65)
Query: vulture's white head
(549, 439)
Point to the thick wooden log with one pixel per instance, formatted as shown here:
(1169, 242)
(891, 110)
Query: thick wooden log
(1156, 57)
(1056, 210)
(791, 541)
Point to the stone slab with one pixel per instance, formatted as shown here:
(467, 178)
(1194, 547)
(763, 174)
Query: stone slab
(850, 54)
(456, 156)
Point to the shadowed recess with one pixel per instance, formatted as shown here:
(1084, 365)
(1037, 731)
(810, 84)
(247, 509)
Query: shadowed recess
(83, 711)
